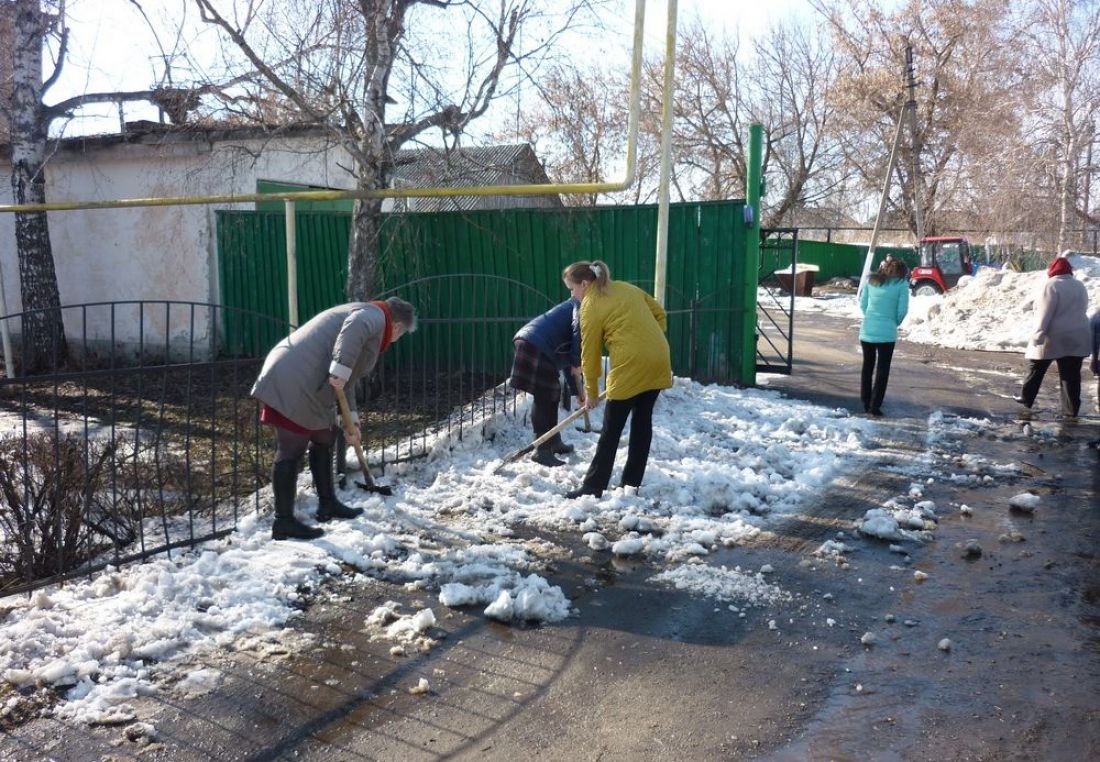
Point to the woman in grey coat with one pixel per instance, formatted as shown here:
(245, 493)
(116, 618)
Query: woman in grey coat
(1061, 335)
(297, 387)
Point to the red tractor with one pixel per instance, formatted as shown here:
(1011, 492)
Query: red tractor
(943, 260)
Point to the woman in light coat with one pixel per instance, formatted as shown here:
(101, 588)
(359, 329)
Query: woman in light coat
(297, 387)
(632, 325)
(884, 302)
(1061, 335)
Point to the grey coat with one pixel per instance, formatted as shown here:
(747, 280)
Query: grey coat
(1061, 321)
(342, 341)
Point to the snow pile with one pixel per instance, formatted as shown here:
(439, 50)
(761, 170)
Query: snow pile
(387, 621)
(833, 550)
(512, 598)
(897, 521)
(992, 311)
(724, 463)
(727, 585)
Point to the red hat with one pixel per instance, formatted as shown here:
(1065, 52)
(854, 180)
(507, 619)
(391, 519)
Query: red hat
(1060, 266)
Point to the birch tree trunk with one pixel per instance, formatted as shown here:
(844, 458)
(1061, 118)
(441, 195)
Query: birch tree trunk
(43, 334)
(384, 27)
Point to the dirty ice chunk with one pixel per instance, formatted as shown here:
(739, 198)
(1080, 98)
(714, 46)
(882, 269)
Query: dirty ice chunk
(1025, 501)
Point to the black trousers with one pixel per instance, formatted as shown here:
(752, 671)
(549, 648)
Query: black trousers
(639, 409)
(1069, 374)
(876, 373)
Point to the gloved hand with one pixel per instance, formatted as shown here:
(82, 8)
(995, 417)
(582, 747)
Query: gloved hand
(1038, 338)
(1095, 366)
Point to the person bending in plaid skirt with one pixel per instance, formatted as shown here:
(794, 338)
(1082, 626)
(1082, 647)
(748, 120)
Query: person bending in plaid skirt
(546, 346)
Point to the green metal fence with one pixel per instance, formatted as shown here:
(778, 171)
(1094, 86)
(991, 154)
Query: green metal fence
(837, 259)
(706, 261)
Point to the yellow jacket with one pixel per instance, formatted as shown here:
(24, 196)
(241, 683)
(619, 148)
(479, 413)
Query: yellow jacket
(632, 325)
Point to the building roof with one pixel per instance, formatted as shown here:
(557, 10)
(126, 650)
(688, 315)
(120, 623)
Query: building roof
(817, 217)
(514, 164)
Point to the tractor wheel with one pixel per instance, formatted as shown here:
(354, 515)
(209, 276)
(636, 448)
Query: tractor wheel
(926, 288)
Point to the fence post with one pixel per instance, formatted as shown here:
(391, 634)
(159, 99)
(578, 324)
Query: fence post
(291, 265)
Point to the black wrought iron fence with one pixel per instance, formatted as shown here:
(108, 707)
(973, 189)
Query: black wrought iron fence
(140, 436)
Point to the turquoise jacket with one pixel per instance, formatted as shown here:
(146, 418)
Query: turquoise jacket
(884, 307)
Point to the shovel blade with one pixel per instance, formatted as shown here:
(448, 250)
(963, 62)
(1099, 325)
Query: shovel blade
(376, 488)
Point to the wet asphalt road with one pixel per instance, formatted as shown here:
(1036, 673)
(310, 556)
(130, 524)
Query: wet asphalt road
(646, 673)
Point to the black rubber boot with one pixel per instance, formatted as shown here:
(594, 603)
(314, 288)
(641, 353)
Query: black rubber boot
(546, 458)
(284, 483)
(328, 507)
(558, 447)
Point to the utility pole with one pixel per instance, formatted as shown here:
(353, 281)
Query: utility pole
(881, 203)
(917, 189)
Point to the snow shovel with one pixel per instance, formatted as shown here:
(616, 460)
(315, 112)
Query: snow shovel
(528, 448)
(345, 415)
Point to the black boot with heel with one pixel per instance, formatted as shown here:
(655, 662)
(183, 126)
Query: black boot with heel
(284, 483)
(320, 466)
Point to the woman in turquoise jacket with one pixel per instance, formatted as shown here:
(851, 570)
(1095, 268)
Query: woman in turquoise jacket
(884, 302)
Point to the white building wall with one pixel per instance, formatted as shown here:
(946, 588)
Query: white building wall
(153, 253)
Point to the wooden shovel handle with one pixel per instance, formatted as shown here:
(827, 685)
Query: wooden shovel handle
(523, 450)
(345, 416)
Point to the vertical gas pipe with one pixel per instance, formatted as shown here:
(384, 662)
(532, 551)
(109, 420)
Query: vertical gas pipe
(291, 265)
(661, 266)
(752, 255)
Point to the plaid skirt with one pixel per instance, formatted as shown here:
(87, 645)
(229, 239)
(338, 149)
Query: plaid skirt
(535, 373)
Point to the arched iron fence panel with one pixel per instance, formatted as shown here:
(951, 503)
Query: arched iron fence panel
(139, 437)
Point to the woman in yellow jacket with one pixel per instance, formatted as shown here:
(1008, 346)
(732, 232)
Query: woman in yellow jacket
(632, 325)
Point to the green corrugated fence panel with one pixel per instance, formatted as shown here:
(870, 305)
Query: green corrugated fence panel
(705, 259)
(837, 259)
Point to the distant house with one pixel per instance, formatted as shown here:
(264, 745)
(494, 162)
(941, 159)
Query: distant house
(449, 168)
(816, 220)
(465, 167)
(169, 252)
(830, 224)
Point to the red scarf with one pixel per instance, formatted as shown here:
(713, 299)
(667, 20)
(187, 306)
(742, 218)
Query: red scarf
(1060, 266)
(387, 333)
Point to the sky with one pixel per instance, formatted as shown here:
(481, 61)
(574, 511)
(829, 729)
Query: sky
(726, 464)
(112, 48)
